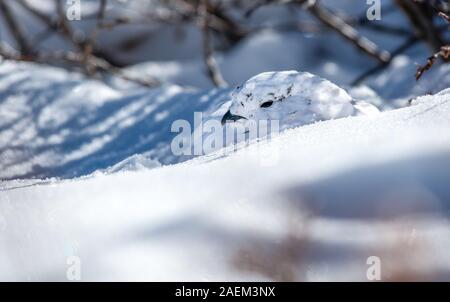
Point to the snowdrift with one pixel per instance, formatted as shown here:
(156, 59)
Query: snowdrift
(311, 204)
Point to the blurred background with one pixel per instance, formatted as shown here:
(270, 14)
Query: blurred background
(334, 39)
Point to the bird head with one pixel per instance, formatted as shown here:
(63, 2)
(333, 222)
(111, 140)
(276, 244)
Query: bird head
(293, 98)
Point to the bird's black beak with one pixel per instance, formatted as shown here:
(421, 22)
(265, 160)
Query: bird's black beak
(230, 117)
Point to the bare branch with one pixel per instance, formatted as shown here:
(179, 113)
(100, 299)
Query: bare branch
(421, 19)
(443, 53)
(444, 16)
(218, 20)
(401, 49)
(70, 57)
(101, 10)
(213, 69)
(348, 32)
(14, 27)
(332, 21)
(46, 19)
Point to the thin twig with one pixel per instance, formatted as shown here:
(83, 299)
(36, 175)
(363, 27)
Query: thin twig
(421, 19)
(348, 32)
(332, 21)
(218, 20)
(14, 28)
(443, 53)
(88, 45)
(213, 69)
(444, 16)
(70, 57)
(83, 56)
(401, 49)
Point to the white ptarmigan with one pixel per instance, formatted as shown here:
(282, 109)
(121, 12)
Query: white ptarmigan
(293, 98)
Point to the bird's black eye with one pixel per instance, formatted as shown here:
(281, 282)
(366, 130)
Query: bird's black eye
(267, 104)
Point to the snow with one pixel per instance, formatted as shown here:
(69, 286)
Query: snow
(55, 124)
(87, 169)
(135, 162)
(236, 218)
(399, 89)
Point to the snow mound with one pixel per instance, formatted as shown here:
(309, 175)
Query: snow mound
(293, 98)
(137, 162)
(55, 123)
(335, 193)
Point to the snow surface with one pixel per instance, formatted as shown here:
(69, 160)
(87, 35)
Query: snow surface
(86, 168)
(311, 204)
(135, 162)
(55, 124)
